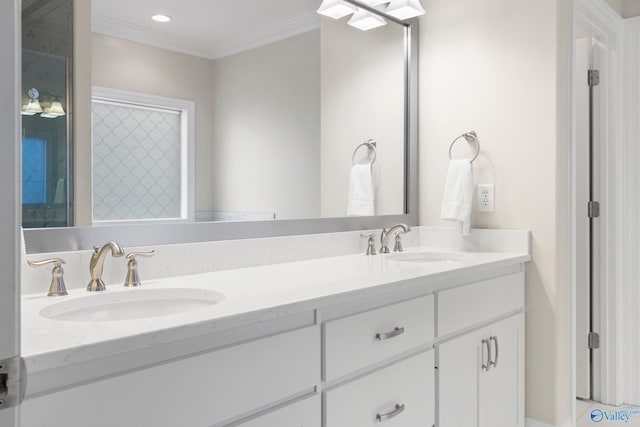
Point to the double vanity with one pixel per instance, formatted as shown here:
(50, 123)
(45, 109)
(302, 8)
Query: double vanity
(433, 335)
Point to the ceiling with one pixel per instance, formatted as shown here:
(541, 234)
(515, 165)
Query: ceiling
(207, 28)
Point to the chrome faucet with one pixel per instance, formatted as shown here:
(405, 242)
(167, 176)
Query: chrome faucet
(387, 232)
(97, 262)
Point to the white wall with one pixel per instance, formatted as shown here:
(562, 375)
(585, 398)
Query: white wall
(617, 5)
(362, 98)
(630, 8)
(497, 67)
(126, 65)
(266, 129)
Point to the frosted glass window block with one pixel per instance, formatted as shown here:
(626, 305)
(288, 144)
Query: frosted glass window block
(136, 162)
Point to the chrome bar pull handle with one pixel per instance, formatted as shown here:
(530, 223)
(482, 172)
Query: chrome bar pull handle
(494, 362)
(487, 366)
(396, 332)
(397, 411)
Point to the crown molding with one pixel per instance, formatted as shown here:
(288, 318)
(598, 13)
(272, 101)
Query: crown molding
(186, 45)
(135, 33)
(270, 34)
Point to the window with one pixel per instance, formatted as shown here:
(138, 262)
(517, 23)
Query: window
(142, 163)
(34, 171)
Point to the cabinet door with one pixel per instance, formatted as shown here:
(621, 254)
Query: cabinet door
(304, 413)
(459, 370)
(502, 387)
(471, 395)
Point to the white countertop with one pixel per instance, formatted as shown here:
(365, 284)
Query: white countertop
(252, 295)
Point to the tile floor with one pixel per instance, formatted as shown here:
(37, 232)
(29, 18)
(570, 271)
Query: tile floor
(593, 414)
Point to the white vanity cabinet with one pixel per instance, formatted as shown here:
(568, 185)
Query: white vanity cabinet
(481, 371)
(220, 387)
(387, 356)
(303, 413)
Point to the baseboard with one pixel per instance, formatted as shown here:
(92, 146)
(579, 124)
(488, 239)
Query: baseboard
(530, 422)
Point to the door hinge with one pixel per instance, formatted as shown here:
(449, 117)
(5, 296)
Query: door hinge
(594, 340)
(594, 78)
(11, 382)
(593, 209)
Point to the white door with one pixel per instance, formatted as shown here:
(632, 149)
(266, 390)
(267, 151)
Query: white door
(502, 386)
(10, 69)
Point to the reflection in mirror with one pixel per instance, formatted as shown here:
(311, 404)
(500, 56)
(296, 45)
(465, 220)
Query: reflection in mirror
(46, 56)
(239, 110)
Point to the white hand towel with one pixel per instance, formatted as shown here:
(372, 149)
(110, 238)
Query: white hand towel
(360, 200)
(458, 194)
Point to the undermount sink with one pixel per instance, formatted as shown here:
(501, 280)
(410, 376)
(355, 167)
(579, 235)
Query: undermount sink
(429, 257)
(132, 304)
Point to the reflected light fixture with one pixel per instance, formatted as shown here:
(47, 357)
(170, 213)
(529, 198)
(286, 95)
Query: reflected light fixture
(54, 111)
(161, 18)
(405, 9)
(365, 20)
(33, 107)
(336, 9)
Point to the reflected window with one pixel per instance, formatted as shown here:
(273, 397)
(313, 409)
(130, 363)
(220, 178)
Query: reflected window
(34, 170)
(140, 162)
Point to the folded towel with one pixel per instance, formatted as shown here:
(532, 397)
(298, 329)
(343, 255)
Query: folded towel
(458, 194)
(360, 200)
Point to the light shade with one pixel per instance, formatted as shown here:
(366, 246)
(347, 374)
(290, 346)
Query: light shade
(161, 18)
(33, 107)
(405, 9)
(336, 9)
(54, 111)
(364, 20)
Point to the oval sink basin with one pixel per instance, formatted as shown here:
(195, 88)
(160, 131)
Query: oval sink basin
(132, 304)
(429, 257)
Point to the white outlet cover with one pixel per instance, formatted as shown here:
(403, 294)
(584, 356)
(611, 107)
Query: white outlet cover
(486, 200)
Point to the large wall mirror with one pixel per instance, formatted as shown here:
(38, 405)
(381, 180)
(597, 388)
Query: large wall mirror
(235, 118)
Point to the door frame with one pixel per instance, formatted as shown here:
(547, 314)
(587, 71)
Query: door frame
(10, 209)
(631, 294)
(606, 25)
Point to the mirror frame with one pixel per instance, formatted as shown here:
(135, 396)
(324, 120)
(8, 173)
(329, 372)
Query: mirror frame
(44, 240)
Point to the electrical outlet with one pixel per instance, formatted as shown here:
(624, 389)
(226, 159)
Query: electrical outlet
(485, 198)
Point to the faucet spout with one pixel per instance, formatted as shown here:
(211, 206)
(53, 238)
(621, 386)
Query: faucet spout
(387, 232)
(97, 263)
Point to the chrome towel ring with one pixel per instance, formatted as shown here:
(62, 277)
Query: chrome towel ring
(371, 144)
(471, 137)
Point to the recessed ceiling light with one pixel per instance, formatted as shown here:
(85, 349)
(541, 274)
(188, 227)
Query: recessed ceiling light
(161, 18)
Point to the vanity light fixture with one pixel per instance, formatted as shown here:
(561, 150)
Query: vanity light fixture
(33, 107)
(54, 111)
(365, 20)
(336, 9)
(405, 9)
(161, 18)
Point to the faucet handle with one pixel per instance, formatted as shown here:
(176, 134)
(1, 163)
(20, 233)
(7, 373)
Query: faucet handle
(371, 248)
(397, 247)
(57, 287)
(133, 279)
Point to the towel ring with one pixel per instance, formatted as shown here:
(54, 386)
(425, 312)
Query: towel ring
(470, 136)
(371, 144)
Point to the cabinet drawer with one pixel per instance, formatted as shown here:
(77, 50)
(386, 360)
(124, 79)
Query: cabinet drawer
(203, 390)
(466, 306)
(352, 343)
(305, 413)
(405, 389)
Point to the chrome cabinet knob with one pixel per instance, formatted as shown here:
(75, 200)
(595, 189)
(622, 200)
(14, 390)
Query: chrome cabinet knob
(57, 287)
